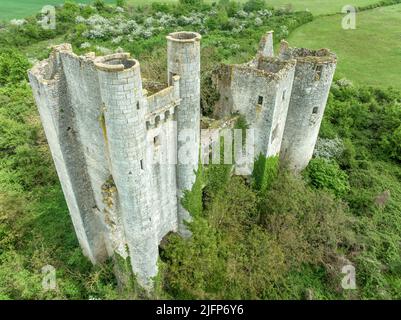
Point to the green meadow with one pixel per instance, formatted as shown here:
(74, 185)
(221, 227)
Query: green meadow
(370, 54)
(319, 7)
(10, 9)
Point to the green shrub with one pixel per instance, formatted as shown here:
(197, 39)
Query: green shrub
(191, 2)
(100, 5)
(254, 5)
(309, 224)
(13, 67)
(265, 172)
(327, 175)
(347, 160)
(231, 7)
(121, 3)
(392, 144)
(228, 254)
(192, 199)
(219, 21)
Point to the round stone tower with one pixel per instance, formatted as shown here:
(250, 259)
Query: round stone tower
(125, 134)
(183, 59)
(313, 77)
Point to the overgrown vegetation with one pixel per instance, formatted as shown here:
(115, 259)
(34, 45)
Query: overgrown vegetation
(271, 236)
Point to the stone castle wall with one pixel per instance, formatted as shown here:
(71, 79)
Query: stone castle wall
(313, 77)
(262, 95)
(112, 147)
(282, 99)
(116, 149)
(183, 55)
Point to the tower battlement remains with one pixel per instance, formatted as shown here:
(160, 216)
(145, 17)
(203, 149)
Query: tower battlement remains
(282, 98)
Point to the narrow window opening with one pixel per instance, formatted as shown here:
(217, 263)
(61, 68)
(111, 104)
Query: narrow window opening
(170, 78)
(156, 141)
(315, 110)
(167, 115)
(284, 94)
(157, 121)
(260, 100)
(318, 72)
(138, 105)
(141, 164)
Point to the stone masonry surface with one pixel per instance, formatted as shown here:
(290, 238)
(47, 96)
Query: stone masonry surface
(283, 99)
(115, 148)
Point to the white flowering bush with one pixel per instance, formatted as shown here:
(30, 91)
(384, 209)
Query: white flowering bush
(258, 21)
(123, 28)
(80, 19)
(18, 22)
(97, 20)
(117, 40)
(344, 82)
(328, 148)
(284, 32)
(242, 14)
(104, 50)
(85, 45)
(119, 10)
(265, 13)
(166, 20)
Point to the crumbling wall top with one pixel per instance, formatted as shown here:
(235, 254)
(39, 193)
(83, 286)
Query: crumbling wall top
(270, 68)
(116, 62)
(304, 55)
(184, 36)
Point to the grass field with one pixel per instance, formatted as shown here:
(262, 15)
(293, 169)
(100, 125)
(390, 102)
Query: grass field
(11, 9)
(370, 54)
(319, 7)
(16, 9)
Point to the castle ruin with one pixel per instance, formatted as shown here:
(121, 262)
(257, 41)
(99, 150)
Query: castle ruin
(282, 98)
(104, 131)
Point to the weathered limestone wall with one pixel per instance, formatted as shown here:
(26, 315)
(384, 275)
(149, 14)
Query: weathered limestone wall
(183, 54)
(54, 100)
(283, 73)
(83, 86)
(165, 97)
(115, 149)
(124, 159)
(161, 146)
(313, 77)
(261, 94)
(266, 49)
(283, 99)
(222, 81)
(124, 114)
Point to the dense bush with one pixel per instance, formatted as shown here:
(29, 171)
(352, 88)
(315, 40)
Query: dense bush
(327, 175)
(371, 117)
(264, 172)
(241, 235)
(13, 67)
(254, 5)
(190, 2)
(378, 4)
